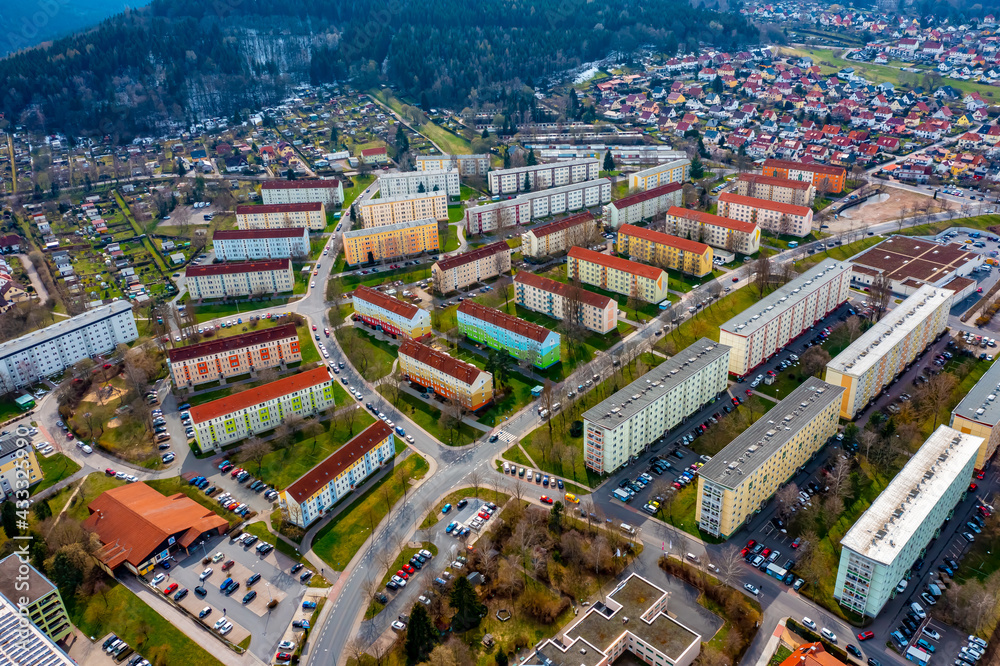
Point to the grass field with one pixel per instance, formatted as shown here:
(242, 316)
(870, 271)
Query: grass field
(371, 357)
(405, 555)
(840, 253)
(428, 418)
(209, 311)
(55, 468)
(980, 222)
(175, 484)
(706, 322)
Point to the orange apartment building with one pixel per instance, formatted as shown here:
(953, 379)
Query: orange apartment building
(229, 357)
(448, 377)
(393, 241)
(282, 216)
(824, 178)
(785, 190)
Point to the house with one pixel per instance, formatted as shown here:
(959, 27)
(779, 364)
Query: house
(10, 243)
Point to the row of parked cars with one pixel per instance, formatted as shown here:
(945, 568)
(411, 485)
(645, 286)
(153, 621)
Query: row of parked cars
(243, 476)
(119, 649)
(416, 563)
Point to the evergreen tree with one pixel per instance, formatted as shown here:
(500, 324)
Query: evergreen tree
(290, 174)
(485, 134)
(506, 159)
(501, 658)
(402, 143)
(555, 517)
(531, 161)
(424, 104)
(333, 137)
(8, 518)
(419, 635)
(41, 509)
(181, 170)
(527, 183)
(697, 168)
(609, 161)
(420, 188)
(717, 85)
(65, 574)
(469, 611)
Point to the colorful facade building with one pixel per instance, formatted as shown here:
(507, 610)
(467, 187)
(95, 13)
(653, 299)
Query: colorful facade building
(979, 414)
(39, 600)
(720, 232)
(618, 275)
(394, 241)
(561, 301)
(217, 360)
(280, 216)
(327, 192)
(375, 156)
(776, 217)
(466, 165)
(448, 377)
(519, 338)
(240, 278)
(253, 244)
(557, 237)
(385, 211)
(825, 178)
(390, 315)
(675, 171)
(772, 188)
(660, 249)
(458, 272)
(644, 205)
(543, 176)
(19, 469)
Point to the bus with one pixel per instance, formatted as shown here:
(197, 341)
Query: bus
(775, 571)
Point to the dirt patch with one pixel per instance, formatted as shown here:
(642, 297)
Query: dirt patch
(103, 394)
(114, 423)
(888, 210)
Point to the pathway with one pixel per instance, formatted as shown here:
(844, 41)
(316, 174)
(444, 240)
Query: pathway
(36, 282)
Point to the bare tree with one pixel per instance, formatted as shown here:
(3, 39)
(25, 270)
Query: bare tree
(813, 360)
(839, 480)
(762, 274)
(255, 450)
(881, 295)
(787, 496)
(475, 479)
(730, 565)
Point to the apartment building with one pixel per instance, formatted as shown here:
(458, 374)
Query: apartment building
(627, 423)
(521, 339)
(466, 165)
(315, 492)
(565, 301)
(19, 468)
(243, 245)
(49, 351)
(757, 333)
(390, 315)
(446, 376)
(409, 183)
(776, 217)
(665, 251)
(557, 237)
(217, 360)
(375, 156)
(618, 275)
(742, 477)
(824, 177)
(255, 410)
(979, 414)
(883, 544)
(393, 241)
(675, 171)
(239, 278)
(458, 272)
(719, 232)
(39, 600)
(644, 205)
(772, 188)
(536, 205)
(26, 643)
(543, 176)
(326, 192)
(279, 216)
(882, 352)
(384, 211)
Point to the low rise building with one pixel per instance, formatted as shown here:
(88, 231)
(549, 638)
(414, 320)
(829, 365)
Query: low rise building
(537, 205)
(466, 165)
(566, 301)
(26, 644)
(239, 278)
(409, 183)
(543, 176)
(825, 178)
(241, 245)
(521, 339)
(217, 360)
(910, 263)
(778, 218)
(665, 251)
(621, 276)
(262, 408)
(882, 352)
(632, 419)
(883, 544)
(19, 469)
(390, 315)
(644, 205)
(393, 241)
(375, 156)
(384, 211)
(557, 237)
(811, 654)
(315, 492)
(736, 483)
(37, 598)
(675, 171)
(979, 414)
(280, 216)
(459, 271)
(784, 190)
(448, 377)
(757, 333)
(720, 232)
(327, 192)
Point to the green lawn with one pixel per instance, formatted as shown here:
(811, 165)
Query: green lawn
(209, 311)
(782, 241)
(351, 193)
(514, 455)
(456, 213)
(707, 321)
(405, 555)
(8, 408)
(225, 392)
(981, 222)
(55, 468)
(338, 541)
(408, 275)
(449, 240)
(840, 253)
(428, 418)
(281, 545)
(93, 485)
(452, 498)
(516, 392)
(371, 357)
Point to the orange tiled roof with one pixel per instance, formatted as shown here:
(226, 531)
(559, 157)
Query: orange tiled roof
(376, 297)
(505, 321)
(259, 394)
(460, 370)
(799, 166)
(790, 209)
(473, 255)
(229, 344)
(617, 263)
(709, 218)
(639, 197)
(320, 475)
(298, 184)
(564, 223)
(661, 238)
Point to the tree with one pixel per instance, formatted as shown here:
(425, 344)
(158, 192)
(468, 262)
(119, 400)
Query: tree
(255, 450)
(609, 161)
(469, 611)
(697, 168)
(730, 565)
(814, 360)
(290, 174)
(419, 635)
(786, 497)
(531, 159)
(881, 295)
(402, 143)
(8, 517)
(66, 573)
(555, 517)
(527, 182)
(762, 274)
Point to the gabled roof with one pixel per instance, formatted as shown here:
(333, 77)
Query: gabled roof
(816, 168)
(248, 234)
(661, 238)
(562, 289)
(338, 461)
(299, 184)
(564, 223)
(474, 255)
(505, 321)
(255, 396)
(617, 263)
(460, 370)
(376, 297)
(234, 267)
(790, 209)
(775, 181)
(653, 193)
(280, 208)
(224, 345)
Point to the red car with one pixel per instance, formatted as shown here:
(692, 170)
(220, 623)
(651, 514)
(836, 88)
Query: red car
(546, 499)
(235, 472)
(972, 487)
(986, 512)
(979, 475)
(484, 515)
(736, 279)
(69, 435)
(111, 472)
(749, 392)
(766, 552)
(228, 565)
(408, 569)
(751, 543)
(402, 574)
(283, 656)
(170, 590)
(677, 485)
(743, 553)
(314, 327)
(865, 635)
(736, 402)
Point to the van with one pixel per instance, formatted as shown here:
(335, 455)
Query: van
(626, 528)
(555, 407)
(918, 610)
(692, 557)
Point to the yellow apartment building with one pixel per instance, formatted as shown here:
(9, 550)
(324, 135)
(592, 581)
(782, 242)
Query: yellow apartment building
(447, 376)
(393, 241)
(616, 274)
(676, 171)
(719, 232)
(979, 414)
(19, 468)
(405, 208)
(665, 251)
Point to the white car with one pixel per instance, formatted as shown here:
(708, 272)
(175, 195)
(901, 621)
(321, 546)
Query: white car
(286, 645)
(752, 589)
(409, 438)
(226, 628)
(809, 623)
(220, 623)
(978, 641)
(424, 600)
(398, 581)
(158, 578)
(217, 557)
(398, 626)
(828, 635)
(205, 574)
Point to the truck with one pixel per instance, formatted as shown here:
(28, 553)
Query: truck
(917, 655)
(775, 571)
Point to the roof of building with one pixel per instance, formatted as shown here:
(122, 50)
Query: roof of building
(223, 345)
(398, 226)
(248, 234)
(12, 442)
(890, 522)
(235, 267)
(134, 519)
(894, 326)
(448, 263)
(386, 302)
(560, 225)
(546, 165)
(36, 585)
(629, 401)
(811, 654)
(617, 263)
(526, 197)
(405, 197)
(505, 321)
(298, 184)
(652, 193)
(901, 257)
(379, 150)
(306, 485)
(311, 206)
(755, 445)
(460, 370)
(23, 645)
(815, 167)
(564, 290)
(479, 156)
(258, 394)
(981, 404)
(710, 219)
(775, 181)
(661, 238)
(740, 200)
(64, 327)
(661, 167)
(784, 297)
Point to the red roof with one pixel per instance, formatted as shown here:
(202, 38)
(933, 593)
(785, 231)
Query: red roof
(389, 303)
(338, 461)
(799, 166)
(254, 396)
(233, 267)
(373, 151)
(299, 184)
(224, 345)
(240, 234)
(475, 255)
(661, 238)
(505, 321)
(280, 208)
(790, 209)
(775, 181)
(583, 254)
(564, 223)
(709, 218)
(460, 370)
(639, 197)
(564, 290)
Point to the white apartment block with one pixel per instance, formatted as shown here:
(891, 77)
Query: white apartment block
(406, 208)
(255, 410)
(558, 300)
(979, 414)
(628, 422)
(882, 352)
(543, 176)
(634, 154)
(316, 491)
(720, 232)
(675, 171)
(240, 278)
(881, 547)
(280, 216)
(458, 272)
(644, 205)
(774, 216)
(216, 360)
(757, 333)
(327, 192)
(51, 350)
(242, 245)
(559, 236)
(797, 192)
(466, 165)
(536, 205)
(407, 183)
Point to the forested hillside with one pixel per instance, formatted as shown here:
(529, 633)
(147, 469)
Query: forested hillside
(178, 59)
(25, 24)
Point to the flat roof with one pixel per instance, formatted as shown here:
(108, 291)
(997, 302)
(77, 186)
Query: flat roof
(248, 209)
(477, 156)
(545, 165)
(37, 584)
(785, 297)
(901, 257)
(895, 325)
(526, 197)
(254, 396)
(981, 403)
(653, 385)
(298, 184)
(659, 167)
(908, 500)
(64, 327)
(755, 445)
(24, 645)
(404, 197)
(361, 233)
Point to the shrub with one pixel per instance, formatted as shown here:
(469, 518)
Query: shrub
(542, 606)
